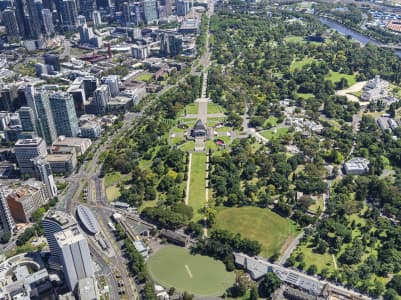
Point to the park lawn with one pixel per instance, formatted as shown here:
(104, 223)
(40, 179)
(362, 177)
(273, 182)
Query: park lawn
(112, 193)
(174, 266)
(148, 203)
(318, 204)
(298, 64)
(223, 129)
(305, 96)
(188, 146)
(144, 77)
(197, 184)
(270, 134)
(192, 108)
(211, 145)
(336, 76)
(272, 120)
(255, 223)
(176, 140)
(294, 39)
(311, 258)
(188, 121)
(214, 108)
(112, 179)
(214, 121)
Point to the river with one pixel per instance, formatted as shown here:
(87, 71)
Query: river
(355, 35)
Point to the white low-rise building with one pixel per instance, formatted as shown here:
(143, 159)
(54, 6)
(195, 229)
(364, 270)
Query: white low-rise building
(356, 166)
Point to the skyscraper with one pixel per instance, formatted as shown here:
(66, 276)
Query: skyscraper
(75, 256)
(7, 224)
(86, 7)
(44, 173)
(10, 21)
(126, 14)
(96, 18)
(170, 45)
(27, 149)
(48, 22)
(53, 222)
(52, 60)
(149, 10)
(101, 99)
(64, 114)
(183, 7)
(69, 14)
(47, 128)
(27, 118)
(21, 19)
(112, 82)
(85, 34)
(35, 18)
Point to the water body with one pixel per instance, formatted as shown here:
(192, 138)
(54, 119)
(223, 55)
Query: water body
(363, 39)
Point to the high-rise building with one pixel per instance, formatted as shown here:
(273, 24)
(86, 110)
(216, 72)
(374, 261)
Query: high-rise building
(26, 199)
(86, 7)
(112, 82)
(53, 222)
(53, 61)
(8, 95)
(137, 13)
(10, 21)
(170, 45)
(101, 99)
(44, 173)
(7, 224)
(81, 20)
(85, 34)
(126, 14)
(137, 33)
(27, 118)
(90, 85)
(35, 18)
(21, 19)
(168, 6)
(149, 10)
(96, 18)
(69, 14)
(64, 114)
(47, 128)
(183, 7)
(26, 150)
(48, 23)
(75, 255)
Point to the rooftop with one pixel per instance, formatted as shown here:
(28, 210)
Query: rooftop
(62, 218)
(28, 142)
(87, 218)
(87, 289)
(69, 236)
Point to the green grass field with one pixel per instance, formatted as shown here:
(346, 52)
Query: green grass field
(112, 178)
(188, 146)
(144, 77)
(192, 109)
(263, 225)
(305, 96)
(294, 39)
(298, 64)
(269, 134)
(197, 185)
(336, 76)
(112, 193)
(174, 266)
(213, 108)
(271, 120)
(311, 258)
